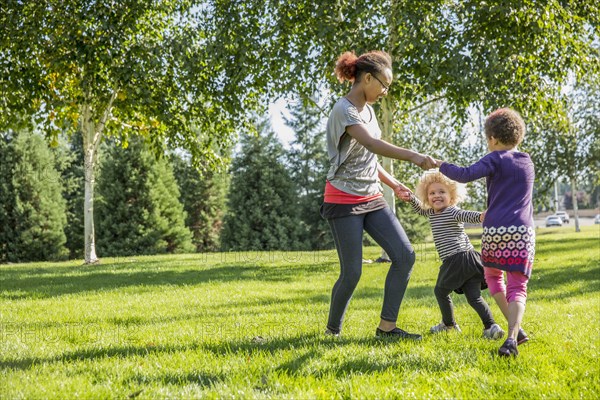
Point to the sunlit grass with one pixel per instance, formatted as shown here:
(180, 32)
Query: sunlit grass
(250, 325)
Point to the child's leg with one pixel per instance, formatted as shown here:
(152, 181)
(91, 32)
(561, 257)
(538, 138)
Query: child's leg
(516, 295)
(445, 302)
(472, 289)
(495, 280)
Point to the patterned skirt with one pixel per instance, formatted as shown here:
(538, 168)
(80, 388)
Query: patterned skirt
(509, 248)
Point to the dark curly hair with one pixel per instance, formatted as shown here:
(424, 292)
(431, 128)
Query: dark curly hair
(506, 125)
(350, 67)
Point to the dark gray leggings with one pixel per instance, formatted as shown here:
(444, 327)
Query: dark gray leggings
(472, 290)
(385, 229)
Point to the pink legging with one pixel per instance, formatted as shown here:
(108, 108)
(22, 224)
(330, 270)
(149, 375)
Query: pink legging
(515, 289)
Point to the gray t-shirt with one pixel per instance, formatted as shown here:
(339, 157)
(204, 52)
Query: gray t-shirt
(353, 168)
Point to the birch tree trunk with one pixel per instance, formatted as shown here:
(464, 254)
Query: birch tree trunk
(90, 157)
(92, 136)
(88, 203)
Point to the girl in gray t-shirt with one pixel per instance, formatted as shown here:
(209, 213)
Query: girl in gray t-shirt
(353, 199)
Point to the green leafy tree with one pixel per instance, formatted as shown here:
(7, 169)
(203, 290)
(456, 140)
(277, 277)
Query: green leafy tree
(32, 208)
(121, 68)
(308, 164)
(138, 204)
(569, 146)
(262, 211)
(203, 196)
(158, 68)
(469, 53)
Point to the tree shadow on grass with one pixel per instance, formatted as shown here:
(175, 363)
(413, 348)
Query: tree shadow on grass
(246, 345)
(57, 281)
(199, 378)
(548, 247)
(313, 346)
(91, 354)
(308, 347)
(586, 275)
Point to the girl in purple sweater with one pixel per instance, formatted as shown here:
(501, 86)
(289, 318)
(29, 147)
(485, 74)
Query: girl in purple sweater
(508, 241)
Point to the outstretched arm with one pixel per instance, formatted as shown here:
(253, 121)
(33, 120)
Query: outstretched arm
(471, 217)
(383, 148)
(482, 168)
(399, 189)
(417, 206)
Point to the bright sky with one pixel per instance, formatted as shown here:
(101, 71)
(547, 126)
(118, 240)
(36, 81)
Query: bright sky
(285, 133)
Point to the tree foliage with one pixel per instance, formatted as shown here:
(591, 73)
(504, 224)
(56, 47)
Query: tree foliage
(308, 163)
(121, 68)
(138, 204)
(32, 210)
(203, 199)
(469, 53)
(262, 210)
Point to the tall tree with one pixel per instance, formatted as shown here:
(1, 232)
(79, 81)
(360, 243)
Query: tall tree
(138, 204)
(309, 163)
(469, 53)
(32, 207)
(262, 211)
(203, 196)
(158, 67)
(120, 68)
(569, 146)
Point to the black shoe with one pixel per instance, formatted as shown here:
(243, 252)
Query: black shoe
(397, 333)
(331, 332)
(509, 348)
(522, 337)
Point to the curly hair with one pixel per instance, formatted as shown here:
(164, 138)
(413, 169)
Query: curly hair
(350, 67)
(506, 125)
(456, 190)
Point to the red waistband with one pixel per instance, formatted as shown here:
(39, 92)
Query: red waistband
(336, 196)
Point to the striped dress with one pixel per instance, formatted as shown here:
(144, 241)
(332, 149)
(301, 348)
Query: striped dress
(460, 262)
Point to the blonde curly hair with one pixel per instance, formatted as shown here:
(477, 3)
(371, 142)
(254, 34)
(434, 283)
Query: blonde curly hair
(456, 190)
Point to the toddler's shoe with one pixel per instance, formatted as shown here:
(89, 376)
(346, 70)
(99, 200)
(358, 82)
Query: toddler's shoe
(494, 332)
(441, 327)
(509, 348)
(397, 333)
(522, 337)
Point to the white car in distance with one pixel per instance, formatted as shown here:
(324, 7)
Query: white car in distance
(553, 220)
(563, 216)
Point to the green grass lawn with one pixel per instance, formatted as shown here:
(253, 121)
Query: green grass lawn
(250, 325)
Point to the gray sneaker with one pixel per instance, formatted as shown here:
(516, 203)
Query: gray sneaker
(441, 327)
(494, 332)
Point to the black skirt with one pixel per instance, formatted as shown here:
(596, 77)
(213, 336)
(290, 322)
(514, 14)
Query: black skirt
(460, 268)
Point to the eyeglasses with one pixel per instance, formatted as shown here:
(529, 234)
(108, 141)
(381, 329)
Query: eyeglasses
(385, 87)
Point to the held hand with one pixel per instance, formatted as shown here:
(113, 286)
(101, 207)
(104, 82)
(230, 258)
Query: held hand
(425, 162)
(482, 217)
(402, 192)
